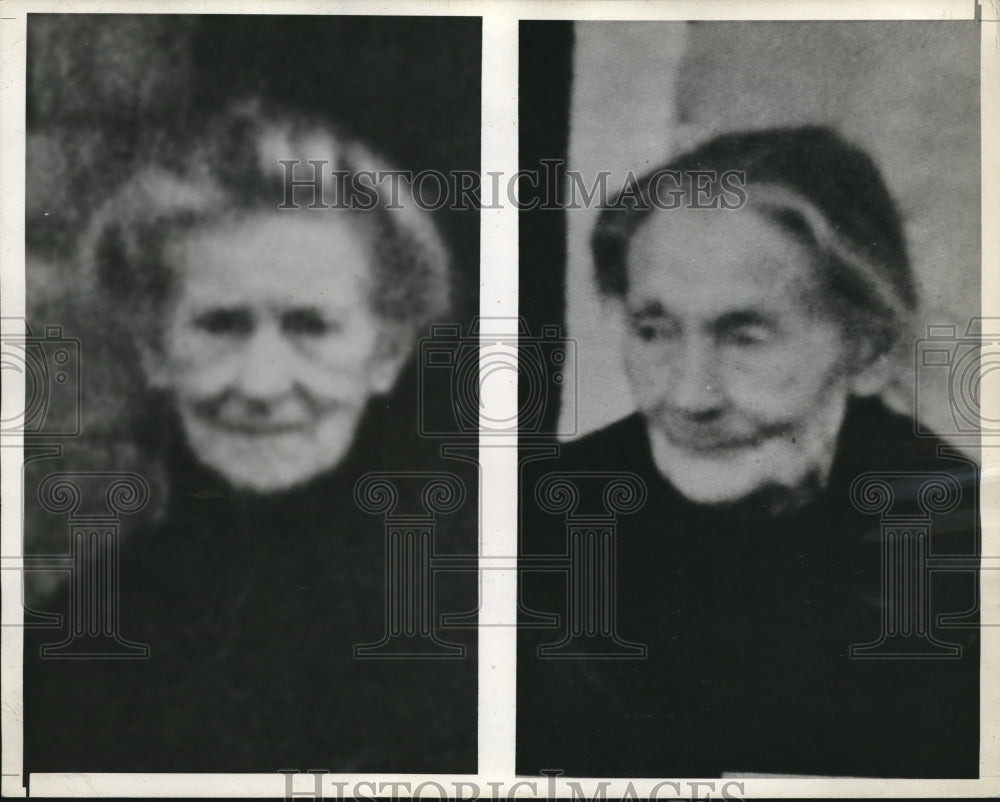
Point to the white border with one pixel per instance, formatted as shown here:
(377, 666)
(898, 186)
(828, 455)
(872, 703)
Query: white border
(498, 298)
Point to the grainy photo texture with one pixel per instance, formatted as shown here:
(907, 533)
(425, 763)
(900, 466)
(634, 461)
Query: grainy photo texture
(230, 511)
(750, 546)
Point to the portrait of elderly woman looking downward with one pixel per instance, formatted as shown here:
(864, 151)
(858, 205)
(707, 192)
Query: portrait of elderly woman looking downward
(270, 339)
(756, 341)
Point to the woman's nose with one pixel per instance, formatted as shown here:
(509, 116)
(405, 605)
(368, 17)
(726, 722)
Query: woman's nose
(266, 365)
(694, 386)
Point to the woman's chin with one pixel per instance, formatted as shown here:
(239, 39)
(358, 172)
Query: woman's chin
(267, 481)
(773, 466)
(716, 482)
(270, 464)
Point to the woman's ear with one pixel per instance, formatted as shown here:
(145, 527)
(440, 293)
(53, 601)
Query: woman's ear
(873, 366)
(153, 363)
(872, 379)
(390, 356)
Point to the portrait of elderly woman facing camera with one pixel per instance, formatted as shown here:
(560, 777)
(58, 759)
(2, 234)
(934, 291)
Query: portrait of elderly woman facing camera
(756, 622)
(270, 335)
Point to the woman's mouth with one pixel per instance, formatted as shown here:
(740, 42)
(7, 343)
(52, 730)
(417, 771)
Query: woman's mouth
(259, 428)
(708, 442)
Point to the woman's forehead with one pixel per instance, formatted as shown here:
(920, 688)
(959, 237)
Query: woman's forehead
(711, 258)
(319, 257)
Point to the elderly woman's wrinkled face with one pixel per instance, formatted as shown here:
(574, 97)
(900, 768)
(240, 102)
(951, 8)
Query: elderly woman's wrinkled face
(271, 349)
(741, 376)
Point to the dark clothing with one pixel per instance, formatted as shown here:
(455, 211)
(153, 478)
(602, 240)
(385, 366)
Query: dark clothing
(252, 607)
(748, 618)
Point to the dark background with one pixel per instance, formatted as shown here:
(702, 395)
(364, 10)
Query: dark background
(103, 90)
(100, 88)
(545, 78)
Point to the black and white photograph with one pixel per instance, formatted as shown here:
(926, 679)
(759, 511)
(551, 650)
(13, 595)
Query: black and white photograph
(463, 399)
(228, 502)
(750, 542)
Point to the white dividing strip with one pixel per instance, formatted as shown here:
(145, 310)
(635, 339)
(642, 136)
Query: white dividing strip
(13, 47)
(498, 454)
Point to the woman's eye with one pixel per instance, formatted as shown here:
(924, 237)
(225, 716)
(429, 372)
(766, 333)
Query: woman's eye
(225, 322)
(307, 323)
(652, 332)
(748, 336)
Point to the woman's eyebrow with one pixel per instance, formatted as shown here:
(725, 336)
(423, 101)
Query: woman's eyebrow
(742, 317)
(325, 312)
(231, 319)
(233, 310)
(649, 308)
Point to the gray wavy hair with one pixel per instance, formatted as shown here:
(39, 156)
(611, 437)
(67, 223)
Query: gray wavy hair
(233, 167)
